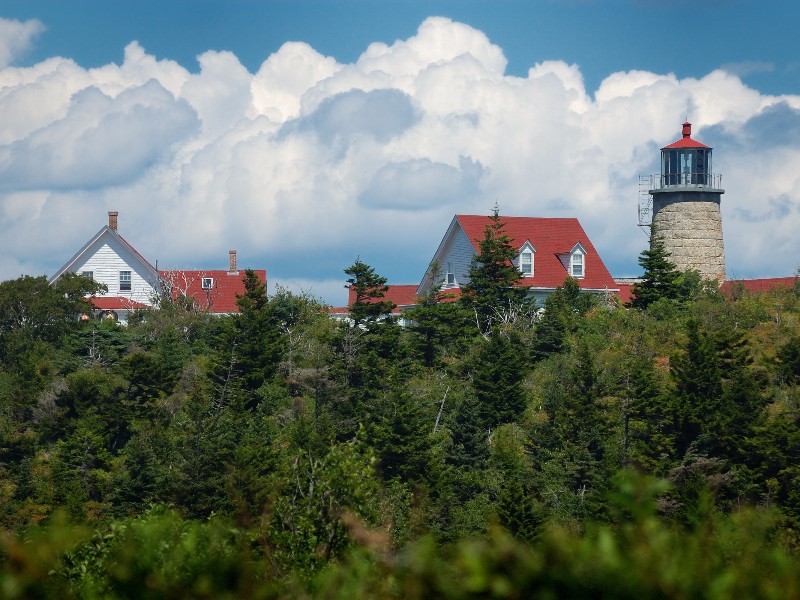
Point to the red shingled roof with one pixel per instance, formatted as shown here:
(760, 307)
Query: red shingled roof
(115, 303)
(551, 237)
(758, 285)
(220, 297)
(401, 295)
(625, 293)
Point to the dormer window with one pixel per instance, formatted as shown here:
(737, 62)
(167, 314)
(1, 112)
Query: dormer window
(576, 264)
(208, 283)
(525, 260)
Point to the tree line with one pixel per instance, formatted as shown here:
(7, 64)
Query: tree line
(491, 448)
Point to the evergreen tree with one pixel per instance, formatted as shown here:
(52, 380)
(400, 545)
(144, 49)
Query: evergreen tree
(400, 436)
(369, 289)
(788, 360)
(497, 380)
(562, 312)
(493, 278)
(661, 280)
(470, 448)
(437, 323)
(698, 383)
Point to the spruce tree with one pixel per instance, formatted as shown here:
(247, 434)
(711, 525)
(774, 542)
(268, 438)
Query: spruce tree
(698, 382)
(661, 279)
(497, 380)
(369, 288)
(493, 278)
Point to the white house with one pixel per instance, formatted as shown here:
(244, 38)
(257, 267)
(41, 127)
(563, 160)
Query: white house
(133, 283)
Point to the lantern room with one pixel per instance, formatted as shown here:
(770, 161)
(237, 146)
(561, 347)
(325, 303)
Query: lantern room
(686, 163)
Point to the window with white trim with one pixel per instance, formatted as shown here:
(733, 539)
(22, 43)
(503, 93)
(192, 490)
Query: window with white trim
(526, 263)
(450, 278)
(88, 274)
(576, 264)
(124, 281)
(208, 283)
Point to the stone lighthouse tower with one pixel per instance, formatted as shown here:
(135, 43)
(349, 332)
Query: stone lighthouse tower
(686, 207)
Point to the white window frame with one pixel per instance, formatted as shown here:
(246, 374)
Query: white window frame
(522, 256)
(577, 261)
(125, 281)
(450, 277)
(207, 283)
(89, 274)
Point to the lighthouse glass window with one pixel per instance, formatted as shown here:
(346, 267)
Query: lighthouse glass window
(576, 264)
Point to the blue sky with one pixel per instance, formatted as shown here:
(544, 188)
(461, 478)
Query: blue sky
(688, 38)
(207, 127)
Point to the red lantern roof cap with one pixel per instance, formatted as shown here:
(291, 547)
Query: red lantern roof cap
(686, 141)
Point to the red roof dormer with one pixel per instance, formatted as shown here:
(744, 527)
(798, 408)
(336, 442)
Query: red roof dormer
(686, 141)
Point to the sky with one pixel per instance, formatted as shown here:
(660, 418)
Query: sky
(305, 134)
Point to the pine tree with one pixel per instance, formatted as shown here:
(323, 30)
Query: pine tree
(369, 288)
(497, 380)
(661, 280)
(493, 278)
(437, 324)
(698, 382)
(470, 447)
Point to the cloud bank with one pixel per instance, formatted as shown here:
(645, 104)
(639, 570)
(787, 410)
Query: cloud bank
(308, 163)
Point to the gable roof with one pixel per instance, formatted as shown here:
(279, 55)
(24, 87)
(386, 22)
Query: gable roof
(553, 238)
(221, 298)
(105, 233)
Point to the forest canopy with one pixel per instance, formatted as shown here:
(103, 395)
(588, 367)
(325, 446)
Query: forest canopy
(572, 449)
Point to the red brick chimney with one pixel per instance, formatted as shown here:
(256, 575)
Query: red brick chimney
(112, 219)
(232, 257)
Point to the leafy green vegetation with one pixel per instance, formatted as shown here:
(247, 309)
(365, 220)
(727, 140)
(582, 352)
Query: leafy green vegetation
(581, 451)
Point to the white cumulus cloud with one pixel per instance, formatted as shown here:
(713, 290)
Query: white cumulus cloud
(308, 163)
(16, 38)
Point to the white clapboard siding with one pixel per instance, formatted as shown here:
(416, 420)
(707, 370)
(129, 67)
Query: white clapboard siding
(458, 251)
(108, 259)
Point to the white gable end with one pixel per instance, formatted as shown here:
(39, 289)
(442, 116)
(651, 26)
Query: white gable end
(454, 256)
(109, 261)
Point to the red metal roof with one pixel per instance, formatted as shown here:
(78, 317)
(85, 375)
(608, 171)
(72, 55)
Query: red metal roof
(686, 141)
(550, 237)
(625, 293)
(401, 295)
(220, 298)
(758, 285)
(115, 303)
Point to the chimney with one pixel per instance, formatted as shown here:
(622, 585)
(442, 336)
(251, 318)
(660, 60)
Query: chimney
(232, 257)
(112, 220)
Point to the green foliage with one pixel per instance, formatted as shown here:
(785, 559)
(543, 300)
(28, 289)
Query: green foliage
(305, 457)
(497, 379)
(368, 288)
(493, 278)
(660, 281)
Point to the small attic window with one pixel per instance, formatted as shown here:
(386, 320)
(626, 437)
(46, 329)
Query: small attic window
(576, 264)
(526, 263)
(208, 283)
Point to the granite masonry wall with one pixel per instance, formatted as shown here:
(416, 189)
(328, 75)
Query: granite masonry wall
(690, 225)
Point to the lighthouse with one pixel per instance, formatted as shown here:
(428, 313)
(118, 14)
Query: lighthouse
(686, 200)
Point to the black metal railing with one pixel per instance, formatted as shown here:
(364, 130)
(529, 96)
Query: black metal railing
(686, 180)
